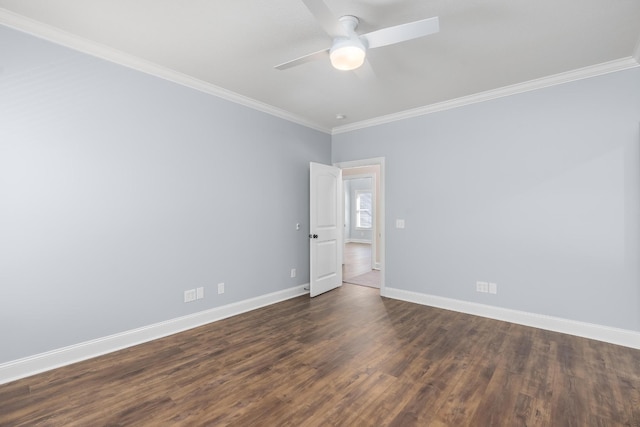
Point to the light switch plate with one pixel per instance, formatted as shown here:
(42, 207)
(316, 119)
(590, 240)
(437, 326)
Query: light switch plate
(399, 223)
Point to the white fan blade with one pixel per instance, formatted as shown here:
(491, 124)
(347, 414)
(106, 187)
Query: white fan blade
(401, 33)
(321, 54)
(329, 23)
(365, 72)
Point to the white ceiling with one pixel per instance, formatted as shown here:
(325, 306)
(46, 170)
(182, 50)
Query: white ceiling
(485, 48)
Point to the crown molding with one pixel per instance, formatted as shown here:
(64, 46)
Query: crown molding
(556, 79)
(72, 41)
(55, 35)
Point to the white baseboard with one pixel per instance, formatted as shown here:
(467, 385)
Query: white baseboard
(38, 363)
(607, 334)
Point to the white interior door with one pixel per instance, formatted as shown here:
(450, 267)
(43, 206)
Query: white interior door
(325, 230)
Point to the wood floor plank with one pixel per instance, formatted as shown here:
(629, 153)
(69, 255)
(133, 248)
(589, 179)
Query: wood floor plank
(466, 394)
(357, 258)
(345, 358)
(571, 407)
(499, 404)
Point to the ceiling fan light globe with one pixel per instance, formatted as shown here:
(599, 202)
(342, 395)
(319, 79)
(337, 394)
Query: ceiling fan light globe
(346, 56)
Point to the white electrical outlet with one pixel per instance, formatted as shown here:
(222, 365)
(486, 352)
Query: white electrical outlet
(399, 223)
(200, 293)
(220, 288)
(482, 287)
(493, 288)
(190, 295)
(293, 272)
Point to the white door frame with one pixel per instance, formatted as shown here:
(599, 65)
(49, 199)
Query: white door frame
(377, 161)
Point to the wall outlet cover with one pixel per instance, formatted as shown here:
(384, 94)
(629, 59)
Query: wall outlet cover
(482, 287)
(190, 295)
(220, 288)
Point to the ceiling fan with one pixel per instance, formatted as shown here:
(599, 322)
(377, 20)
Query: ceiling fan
(348, 50)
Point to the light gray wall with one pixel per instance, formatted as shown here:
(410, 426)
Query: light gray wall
(119, 190)
(538, 192)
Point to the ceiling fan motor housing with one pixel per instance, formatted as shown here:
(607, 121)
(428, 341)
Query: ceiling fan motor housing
(347, 54)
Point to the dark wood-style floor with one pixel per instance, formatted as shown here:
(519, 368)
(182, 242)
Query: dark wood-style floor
(346, 358)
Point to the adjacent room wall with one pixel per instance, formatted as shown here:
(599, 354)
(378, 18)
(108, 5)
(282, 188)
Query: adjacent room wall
(537, 192)
(375, 171)
(346, 189)
(353, 233)
(119, 191)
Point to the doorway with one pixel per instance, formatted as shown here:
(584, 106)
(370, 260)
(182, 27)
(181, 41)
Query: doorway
(363, 253)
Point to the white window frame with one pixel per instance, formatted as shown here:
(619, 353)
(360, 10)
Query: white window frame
(358, 210)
